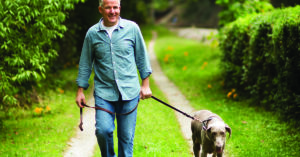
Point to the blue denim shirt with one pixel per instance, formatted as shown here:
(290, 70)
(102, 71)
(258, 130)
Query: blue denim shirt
(115, 61)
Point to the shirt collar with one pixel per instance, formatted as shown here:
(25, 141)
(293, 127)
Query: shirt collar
(120, 24)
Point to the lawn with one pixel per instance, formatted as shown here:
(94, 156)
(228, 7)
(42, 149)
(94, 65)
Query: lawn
(44, 128)
(194, 68)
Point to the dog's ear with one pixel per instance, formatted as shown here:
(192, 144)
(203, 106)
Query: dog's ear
(208, 129)
(228, 129)
(208, 132)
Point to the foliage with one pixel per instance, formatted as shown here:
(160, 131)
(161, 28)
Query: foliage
(233, 9)
(161, 4)
(27, 29)
(285, 3)
(261, 57)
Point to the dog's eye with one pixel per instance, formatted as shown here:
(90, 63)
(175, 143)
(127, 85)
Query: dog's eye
(222, 133)
(214, 133)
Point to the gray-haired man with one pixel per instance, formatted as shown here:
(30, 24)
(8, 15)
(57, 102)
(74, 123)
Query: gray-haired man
(115, 48)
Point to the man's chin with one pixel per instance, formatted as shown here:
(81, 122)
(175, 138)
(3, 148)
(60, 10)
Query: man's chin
(113, 22)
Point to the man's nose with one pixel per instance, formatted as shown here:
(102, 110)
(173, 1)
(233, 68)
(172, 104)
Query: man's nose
(112, 10)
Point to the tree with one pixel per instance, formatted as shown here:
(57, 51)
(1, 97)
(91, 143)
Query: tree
(27, 31)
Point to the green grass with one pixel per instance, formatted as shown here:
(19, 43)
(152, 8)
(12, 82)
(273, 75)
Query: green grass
(26, 133)
(194, 68)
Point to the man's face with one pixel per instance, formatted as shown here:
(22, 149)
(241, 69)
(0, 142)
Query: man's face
(110, 11)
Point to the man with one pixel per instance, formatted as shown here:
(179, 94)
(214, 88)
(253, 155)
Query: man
(115, 48)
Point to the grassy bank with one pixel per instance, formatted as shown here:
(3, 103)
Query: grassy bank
(44, 129)
(194, 68)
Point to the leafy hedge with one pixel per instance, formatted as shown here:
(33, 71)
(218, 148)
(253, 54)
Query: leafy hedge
(261, 58)
(27, 30)
(234, 9)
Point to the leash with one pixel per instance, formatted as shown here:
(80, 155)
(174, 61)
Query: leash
(172, 107)
(204, 122)
(99, 108)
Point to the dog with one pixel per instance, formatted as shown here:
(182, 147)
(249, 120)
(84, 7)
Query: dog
(209, 132)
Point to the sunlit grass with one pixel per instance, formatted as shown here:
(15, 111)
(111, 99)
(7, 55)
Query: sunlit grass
(45, 128)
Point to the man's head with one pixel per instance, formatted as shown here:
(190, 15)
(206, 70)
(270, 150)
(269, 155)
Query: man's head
(110, 10)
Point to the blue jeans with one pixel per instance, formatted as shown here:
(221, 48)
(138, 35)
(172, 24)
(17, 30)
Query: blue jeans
(125, 126)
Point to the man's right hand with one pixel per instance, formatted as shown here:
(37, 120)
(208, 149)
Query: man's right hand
(80, 98)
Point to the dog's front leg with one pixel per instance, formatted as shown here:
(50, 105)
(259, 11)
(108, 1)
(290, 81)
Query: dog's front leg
(220, 155)
(203, 153)
(196, 148)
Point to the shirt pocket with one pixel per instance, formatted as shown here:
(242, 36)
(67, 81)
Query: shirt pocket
(126, 47)
(101, 50)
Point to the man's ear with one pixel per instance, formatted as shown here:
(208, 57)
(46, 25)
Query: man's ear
(100, 9)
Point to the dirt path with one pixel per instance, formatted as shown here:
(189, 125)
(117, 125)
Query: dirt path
(204, 35)
(171, 92)
(83, 143)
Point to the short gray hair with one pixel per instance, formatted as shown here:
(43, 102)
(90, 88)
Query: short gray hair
(101, 2)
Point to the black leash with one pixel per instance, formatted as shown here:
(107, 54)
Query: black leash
(204, 122)
(187, 115)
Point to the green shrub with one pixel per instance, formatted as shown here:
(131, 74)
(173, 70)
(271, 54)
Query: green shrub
(234, 9)
(27, 29)
(261, 57)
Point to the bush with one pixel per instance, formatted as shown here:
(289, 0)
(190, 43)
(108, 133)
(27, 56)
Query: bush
(261, 57)
(27, 29)
(234, 9)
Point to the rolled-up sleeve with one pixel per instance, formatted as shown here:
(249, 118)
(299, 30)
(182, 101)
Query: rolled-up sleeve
(85, 63)
(141, 56)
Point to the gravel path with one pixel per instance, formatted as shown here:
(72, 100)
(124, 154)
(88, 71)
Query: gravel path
(83, 143)
(204, 35)
(172, 93)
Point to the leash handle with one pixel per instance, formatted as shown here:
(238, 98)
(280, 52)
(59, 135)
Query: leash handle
(187, 115)
(100, 108)
(81, 123)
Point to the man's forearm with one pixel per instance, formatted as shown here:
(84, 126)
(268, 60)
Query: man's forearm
(145, 82)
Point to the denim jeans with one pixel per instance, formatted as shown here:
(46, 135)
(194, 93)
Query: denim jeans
(125, 126)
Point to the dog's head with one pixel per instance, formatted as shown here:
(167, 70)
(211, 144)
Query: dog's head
(216, 132)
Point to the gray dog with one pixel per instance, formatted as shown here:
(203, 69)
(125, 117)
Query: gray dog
(210, 134)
